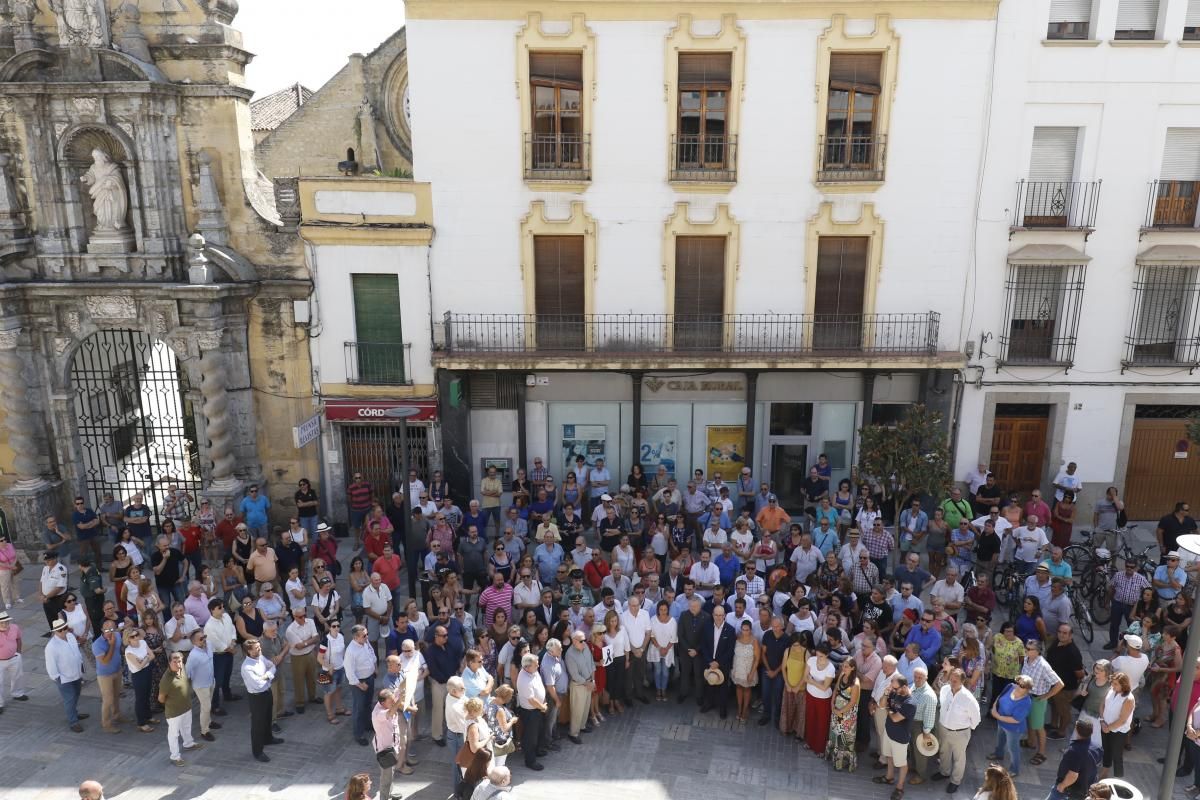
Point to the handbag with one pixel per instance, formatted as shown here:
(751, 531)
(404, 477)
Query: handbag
(464, 756)
(17, 567)
(387, 757)
(504, 749)
(324, 678)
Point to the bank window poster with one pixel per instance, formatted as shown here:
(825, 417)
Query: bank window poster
(583, 440)
(726, 451)
(659, 448)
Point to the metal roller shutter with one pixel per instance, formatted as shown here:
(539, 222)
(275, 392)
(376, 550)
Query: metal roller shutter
(1053, 154)
(1191, 18)
(1071, 10)
(1137, 15)
(1181, 155)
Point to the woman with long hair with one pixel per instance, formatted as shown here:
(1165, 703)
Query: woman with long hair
(997, 785)
(1116, 718)
(1093, 691)
(118, 571)
(1030, 624)
(1062, 520)
(359, 787)
(972, 660)
(233, 583)
(359, 579)
(664, 635)
(1165, 665)
(795, 666)
(618, 641)
(747, 656)
(843, 504)
(499, 561)
(843, 723)
(818, 705)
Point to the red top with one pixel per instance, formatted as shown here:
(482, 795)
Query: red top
(191, 538)
(227, 531)
(594, 573)
(389, 570)
(374, 542)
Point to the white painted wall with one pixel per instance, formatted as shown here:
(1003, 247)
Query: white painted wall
(332, 267)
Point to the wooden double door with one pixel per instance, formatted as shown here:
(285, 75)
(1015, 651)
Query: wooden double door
(1019, 452)
(1163, 468)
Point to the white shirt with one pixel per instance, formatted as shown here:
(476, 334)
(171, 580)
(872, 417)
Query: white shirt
(666, 634)
(336, 650)
(299, 632)
(257, 674)
(820, 674)
(627, 558)
(184, 645)
(806, 561)
(376, 600)
(882, 682)
(849, 555)
(581, 557)
(742, 540)
(415, 487)
(1072, 482)
(975, 479)
(809, 623)
(456, 717)
(636, 628)
(715, 538)
(54, 578)
(530, 687)
(958, 709)
(1029, 542)
(619, 643)
(530, 595)
(1135, 668)
(140, 653)
(77, 621)
(360, 662)
(700, 574)
(1110, 712)
(220, 633)
(295, 592)
(64, 662)
(948, 593)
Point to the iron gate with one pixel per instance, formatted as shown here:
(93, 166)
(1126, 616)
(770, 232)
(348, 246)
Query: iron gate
(374, 451)
(136, 425)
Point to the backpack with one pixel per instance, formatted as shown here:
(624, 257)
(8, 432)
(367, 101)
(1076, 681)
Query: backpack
(1122, 519)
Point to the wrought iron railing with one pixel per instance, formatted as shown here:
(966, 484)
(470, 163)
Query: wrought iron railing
(1164, 328)
(558, 156)
(851, 158)
(640, 334)
(1172, 204)
(1042, 306)
(1056, 204)
(377, 363)
(703, 157)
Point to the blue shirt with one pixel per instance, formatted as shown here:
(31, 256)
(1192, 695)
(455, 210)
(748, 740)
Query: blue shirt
(254, 511)
(442, 663)
(474, 681)
(1161, 574)
(1017, 709)
(395, 639)
(930, 642)
(478, 520)
(199, 669)
(599, 474)
(900, 605)
(547, 560)
(87, 515)
(728, 567)
(826, 541)
(100, 647)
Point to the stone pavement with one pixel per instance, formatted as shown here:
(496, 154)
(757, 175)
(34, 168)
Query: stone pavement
(651, 752)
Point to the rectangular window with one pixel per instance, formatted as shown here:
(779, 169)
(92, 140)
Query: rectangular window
(1191, 21)
(377, 355)
(1049, 193)
(558, 292)
(703, 142)
(699, 292)
(1043, 313)
(1164, 329)
(1177, 193)
(840, 291)
(1069, 19)
(852, 144)
(556, 89)
(1137, 19)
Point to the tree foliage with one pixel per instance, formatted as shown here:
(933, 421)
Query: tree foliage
(912, 457)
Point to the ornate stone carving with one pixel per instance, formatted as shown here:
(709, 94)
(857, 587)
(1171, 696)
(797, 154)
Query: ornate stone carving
(199, 271)
(87, 106)
(59, 127)
(127, 127)
(158, 322)
(287, 201)
(212, 213)
(9, 339)
(181, 346)
(129, 37)
(110, 206)
(26, 36)
(62, 344)
(210, 340)
(213, 379)
(6, 106)
(72, 322)
(83, 23)
(111, 308)
(15, 402)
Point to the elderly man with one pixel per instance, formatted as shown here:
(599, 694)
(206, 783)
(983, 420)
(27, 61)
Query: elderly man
(199, 669)
(546, 558)
(923, 723)
(456, 722)
(1045, 685)
(869, 665)
(91, 790)
(64, 665)
(107, 650)
(377, 608)
(950, 590)
(878, 708)
(360, 663)
(175, 694)
(532, 708)
(620, 584)
(635, 620)
(258, 674)
(581, 673)
(496, 787)
(958, 716)
(196, 603)
(303, 637)
(178, 630)
(554, 677)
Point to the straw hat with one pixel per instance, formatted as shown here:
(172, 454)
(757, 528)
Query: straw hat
(927, 745)
(714, 676)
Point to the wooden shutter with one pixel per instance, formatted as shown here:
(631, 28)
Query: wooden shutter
(1181, 155)
(558, 275)
(706, 70)
(1053, 154)
(700, 275)
(855, 70)
(841, 274)
(565, 69)
(377, 308)
(1137, 15)
(1191, 17)
(1070, 10)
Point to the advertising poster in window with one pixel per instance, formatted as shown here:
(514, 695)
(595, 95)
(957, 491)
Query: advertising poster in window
(582, 440)
(658, 448)
(726, 450)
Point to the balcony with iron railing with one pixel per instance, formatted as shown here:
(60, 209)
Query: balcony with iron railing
(558, 157)
(646, 336)
(1065, 205)
(378, 363)
(845, 159)
(705, 158)
(1171, 205)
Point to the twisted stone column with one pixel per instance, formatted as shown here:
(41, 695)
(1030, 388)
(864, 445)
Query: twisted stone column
(213, 380)
(18, 417)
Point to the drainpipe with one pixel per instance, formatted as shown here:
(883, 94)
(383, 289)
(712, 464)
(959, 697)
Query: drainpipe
(636, 377)
(751, 402)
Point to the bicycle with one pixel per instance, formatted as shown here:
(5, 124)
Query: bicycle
(1079, 613)
(1080, 556)
(1094, 583)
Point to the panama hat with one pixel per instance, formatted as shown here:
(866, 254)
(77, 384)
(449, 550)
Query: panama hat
(927, 745)
(714, 676)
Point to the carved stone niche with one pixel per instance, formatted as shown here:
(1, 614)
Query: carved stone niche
(98, 165)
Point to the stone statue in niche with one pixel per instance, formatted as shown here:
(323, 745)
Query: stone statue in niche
(81, 22)
(110, 204)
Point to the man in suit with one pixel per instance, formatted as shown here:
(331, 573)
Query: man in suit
(547, 611)
(692, 624)
(674, 578)
(716, 650)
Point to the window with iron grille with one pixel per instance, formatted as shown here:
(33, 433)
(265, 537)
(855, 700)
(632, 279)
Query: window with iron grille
(1137, 19)
(1041, 313)
(1069, 19)
(1165, 324)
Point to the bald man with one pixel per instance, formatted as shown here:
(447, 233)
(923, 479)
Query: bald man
(91, 790)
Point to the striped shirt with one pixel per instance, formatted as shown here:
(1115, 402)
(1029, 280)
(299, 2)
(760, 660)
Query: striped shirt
(878, 544)
(1042, 674)
(927, 706)
(1127, 588)
(360, 495)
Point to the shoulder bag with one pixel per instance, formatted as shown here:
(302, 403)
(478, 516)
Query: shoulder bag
(387, 757)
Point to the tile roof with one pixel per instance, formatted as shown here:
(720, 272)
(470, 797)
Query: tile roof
(268, 113)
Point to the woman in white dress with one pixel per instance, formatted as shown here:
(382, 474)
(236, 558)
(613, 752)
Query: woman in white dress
(77, 620)
(664, 635)
(617, 640)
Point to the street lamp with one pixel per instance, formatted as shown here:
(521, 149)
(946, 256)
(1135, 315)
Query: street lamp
(403, 413)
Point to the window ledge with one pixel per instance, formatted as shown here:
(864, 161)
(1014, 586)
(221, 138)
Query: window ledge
(1137, 43)
(577, 187)
(1070, 42)
(848, 187)
(708, 187)
(1189, 43)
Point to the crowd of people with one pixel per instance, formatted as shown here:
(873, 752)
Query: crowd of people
(526, 624)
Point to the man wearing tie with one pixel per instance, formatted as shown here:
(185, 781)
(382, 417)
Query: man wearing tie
(716, 646)
(692, 624)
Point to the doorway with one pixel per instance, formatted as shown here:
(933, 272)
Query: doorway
(1164, 466)
(374, 452)
(790, 430)
(1019, 445)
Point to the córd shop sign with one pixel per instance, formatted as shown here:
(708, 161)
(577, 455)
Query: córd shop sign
(380, 410)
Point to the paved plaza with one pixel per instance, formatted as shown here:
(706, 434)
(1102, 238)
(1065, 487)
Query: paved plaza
(649, 753)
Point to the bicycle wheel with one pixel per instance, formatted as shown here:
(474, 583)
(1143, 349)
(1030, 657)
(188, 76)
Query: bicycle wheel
(1100, 602)
(1083, 620)
(1079, 557)
(1000, 585)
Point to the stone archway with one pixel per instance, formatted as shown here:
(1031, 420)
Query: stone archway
(134, 422)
